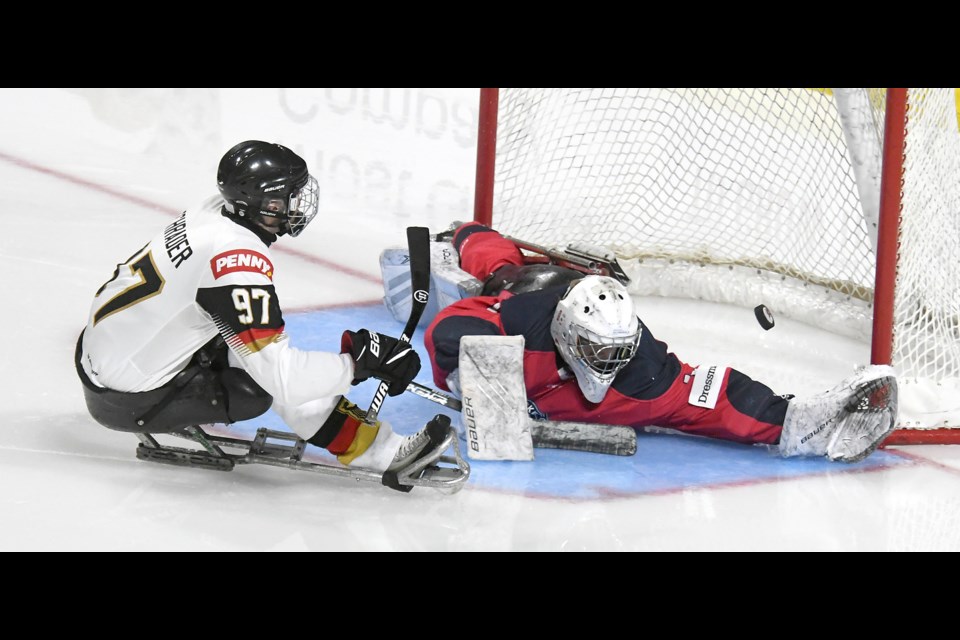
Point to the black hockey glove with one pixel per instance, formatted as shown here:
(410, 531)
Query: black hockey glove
(380, 356)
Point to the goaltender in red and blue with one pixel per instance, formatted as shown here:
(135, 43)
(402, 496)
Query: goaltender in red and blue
(588, 357)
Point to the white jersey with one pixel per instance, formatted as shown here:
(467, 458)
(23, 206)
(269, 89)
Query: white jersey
(205, 274)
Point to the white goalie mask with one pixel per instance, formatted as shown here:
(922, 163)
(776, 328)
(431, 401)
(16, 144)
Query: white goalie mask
(596, 331)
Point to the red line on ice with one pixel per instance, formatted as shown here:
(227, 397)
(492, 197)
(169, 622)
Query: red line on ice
(147, 204)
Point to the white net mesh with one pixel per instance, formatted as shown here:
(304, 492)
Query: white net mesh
(738, 195)
(927, 303)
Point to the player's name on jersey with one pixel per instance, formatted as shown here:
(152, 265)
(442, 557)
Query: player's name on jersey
(176, 242)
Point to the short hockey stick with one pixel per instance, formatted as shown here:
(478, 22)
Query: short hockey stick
(418, 244)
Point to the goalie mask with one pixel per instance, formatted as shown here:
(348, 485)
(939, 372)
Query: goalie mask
(264, 179)
(596, 331)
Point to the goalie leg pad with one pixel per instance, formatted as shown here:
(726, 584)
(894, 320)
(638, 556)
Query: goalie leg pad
(846, 423)
(448, 282)
(494, 398)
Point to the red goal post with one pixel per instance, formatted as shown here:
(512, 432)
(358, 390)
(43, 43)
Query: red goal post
(843, 205)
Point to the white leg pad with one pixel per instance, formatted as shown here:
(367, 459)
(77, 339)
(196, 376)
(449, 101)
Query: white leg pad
(494, 398)
(448, 282)
(846, 423)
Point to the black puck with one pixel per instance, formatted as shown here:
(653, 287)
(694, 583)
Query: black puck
(764, 316)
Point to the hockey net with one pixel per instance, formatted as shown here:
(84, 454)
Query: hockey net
(746, 195)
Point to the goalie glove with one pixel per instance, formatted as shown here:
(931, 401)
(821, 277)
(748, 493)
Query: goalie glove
(380, 356)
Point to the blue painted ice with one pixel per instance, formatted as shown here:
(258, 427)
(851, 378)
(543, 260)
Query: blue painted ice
(664, 462)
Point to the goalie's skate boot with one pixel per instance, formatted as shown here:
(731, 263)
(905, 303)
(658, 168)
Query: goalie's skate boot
(447, 234)
(847, 423)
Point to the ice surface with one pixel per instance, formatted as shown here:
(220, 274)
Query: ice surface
(89, 175)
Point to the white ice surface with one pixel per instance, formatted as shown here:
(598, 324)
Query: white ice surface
(69, 157)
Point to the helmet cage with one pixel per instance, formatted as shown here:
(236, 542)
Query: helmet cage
(605, 357)
(596, 332)
(298, 208)
(260, 179)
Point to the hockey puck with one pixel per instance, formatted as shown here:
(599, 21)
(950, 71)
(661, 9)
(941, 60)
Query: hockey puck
(764, 316)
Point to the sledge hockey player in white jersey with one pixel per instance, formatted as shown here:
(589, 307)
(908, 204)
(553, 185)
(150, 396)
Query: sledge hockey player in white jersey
(189, 329)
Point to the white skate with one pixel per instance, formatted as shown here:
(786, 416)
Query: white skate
(846, 423)
(415, 462)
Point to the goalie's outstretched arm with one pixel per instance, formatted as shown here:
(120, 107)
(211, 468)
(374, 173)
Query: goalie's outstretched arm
(483, 250)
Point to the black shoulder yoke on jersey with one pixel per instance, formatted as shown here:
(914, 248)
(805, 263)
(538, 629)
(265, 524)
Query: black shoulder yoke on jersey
(651, 371)
(529, 315)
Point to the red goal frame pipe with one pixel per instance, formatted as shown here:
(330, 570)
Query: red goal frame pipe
(888, 232)
(486, 156)
(888, 250)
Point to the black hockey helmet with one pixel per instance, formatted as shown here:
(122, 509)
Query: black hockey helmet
(263, 178)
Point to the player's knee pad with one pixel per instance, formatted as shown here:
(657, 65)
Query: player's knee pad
(245, 398)
(209, 396)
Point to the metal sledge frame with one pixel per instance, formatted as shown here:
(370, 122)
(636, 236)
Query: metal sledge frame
(264, 449)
